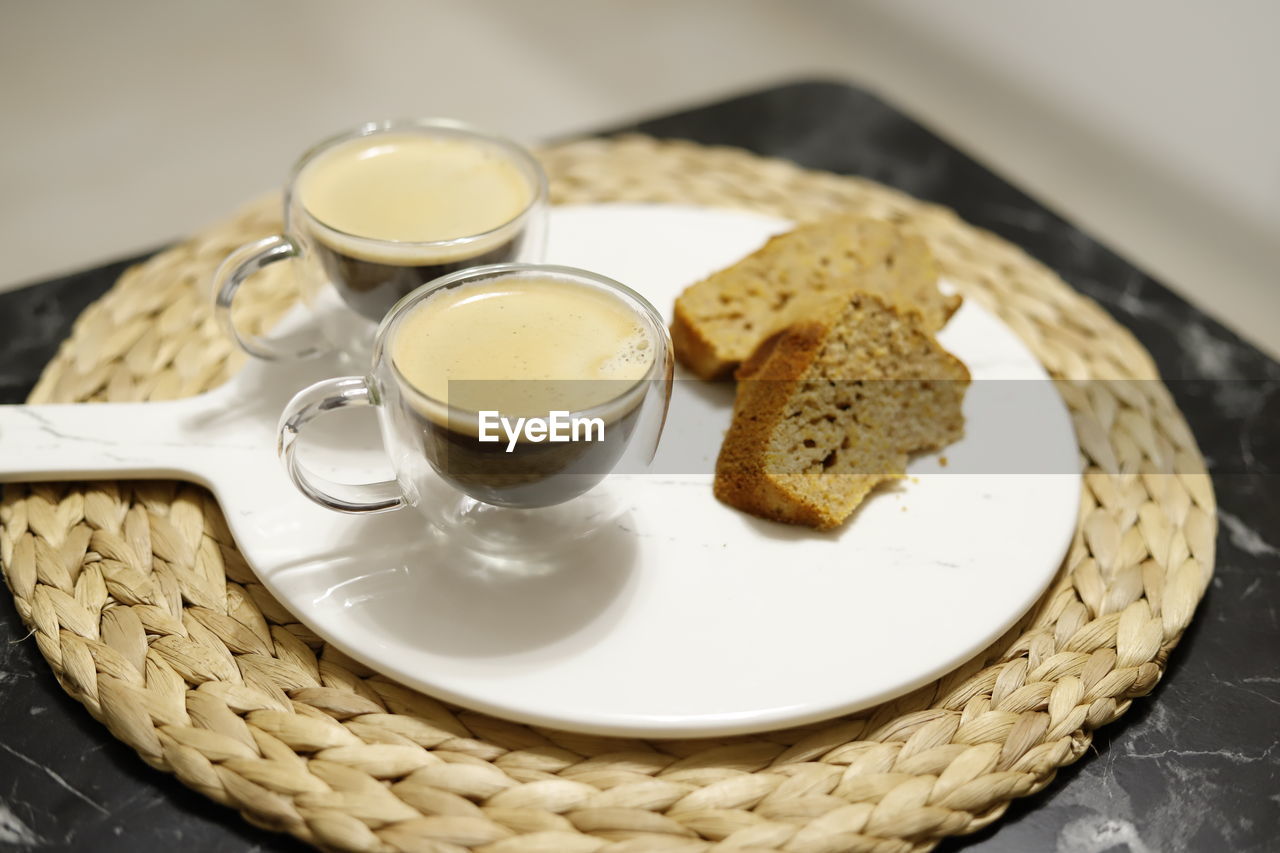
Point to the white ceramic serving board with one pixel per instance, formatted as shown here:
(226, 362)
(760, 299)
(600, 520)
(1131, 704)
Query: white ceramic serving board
(687, 618)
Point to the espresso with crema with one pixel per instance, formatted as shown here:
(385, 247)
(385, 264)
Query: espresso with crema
(392, 211)
(523, 347)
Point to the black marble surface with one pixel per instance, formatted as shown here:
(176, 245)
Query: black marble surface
(1194, 767)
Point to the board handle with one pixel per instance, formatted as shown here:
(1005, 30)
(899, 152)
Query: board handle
(78, 441)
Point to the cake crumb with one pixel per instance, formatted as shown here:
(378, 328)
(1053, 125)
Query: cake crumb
(942, 460)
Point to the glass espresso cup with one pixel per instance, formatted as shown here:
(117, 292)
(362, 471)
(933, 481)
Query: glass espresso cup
(506, 395)
(374, 213)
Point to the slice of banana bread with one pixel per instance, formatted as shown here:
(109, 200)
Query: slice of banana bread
(832, 406)
(720, 320)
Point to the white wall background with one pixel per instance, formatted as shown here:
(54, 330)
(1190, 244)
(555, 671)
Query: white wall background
(1152, 124)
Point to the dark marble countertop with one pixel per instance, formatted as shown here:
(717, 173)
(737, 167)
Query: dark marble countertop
(1195, 766)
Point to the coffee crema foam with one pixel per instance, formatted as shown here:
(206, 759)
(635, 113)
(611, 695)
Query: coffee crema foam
(413, 188)
(523, 346)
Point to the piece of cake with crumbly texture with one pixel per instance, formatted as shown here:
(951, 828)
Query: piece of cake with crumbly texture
(720, 320)
(832, 406)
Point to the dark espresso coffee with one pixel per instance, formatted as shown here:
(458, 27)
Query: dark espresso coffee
(487, 361)
(393, 211)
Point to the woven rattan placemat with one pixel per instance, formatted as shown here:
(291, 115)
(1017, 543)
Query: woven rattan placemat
(148, 615)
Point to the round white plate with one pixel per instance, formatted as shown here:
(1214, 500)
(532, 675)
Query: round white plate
(689, 618)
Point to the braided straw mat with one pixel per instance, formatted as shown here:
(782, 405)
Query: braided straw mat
(149, 616)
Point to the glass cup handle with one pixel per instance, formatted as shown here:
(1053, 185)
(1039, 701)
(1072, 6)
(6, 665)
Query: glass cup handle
(306, 405)
(238, 266)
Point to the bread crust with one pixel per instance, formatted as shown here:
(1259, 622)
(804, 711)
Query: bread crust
(766, 383)
(694, 349)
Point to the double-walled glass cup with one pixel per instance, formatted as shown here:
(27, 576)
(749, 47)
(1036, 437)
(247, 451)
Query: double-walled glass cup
(480, 199)
(503, 491)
